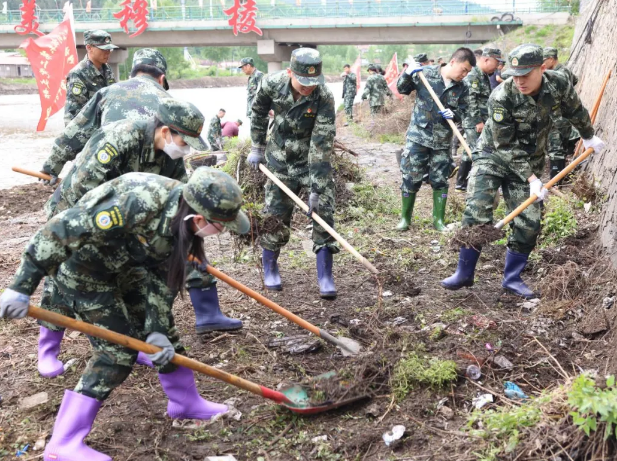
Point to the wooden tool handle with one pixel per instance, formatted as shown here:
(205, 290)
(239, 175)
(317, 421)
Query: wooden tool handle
(594, 111)
(316, 217)
(137, 345)
(441, 107)
(36, 174)
(562, 174)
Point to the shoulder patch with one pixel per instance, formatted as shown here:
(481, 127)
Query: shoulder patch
(78, 88)
(474, 84)
(106, 154)
(498, 114)
(108, 219)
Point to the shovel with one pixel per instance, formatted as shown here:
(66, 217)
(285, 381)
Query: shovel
(295, 397)
(36, 174)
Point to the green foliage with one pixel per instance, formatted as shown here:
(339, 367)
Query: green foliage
(592, 405)
(415, 370)
(454, 314)
(375, 200)
(559, 221)
(391, 138)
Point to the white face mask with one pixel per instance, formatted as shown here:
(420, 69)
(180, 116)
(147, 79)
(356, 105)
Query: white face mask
(208, 230)
(174, 150)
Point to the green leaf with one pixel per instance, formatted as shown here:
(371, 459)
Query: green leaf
(610, 381)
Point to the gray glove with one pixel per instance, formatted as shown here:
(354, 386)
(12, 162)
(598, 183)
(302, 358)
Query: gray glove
(313, 204)
(163, 357)
(49, 182)
(256, 157)
(13, 305)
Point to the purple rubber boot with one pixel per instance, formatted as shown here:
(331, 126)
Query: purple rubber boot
(49, 348)
(184, 400)
(73, 424)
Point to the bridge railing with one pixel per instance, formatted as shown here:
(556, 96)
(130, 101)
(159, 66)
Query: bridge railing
(503, 11)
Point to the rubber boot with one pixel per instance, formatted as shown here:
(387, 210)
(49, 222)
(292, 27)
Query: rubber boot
(72, 426)
(409, 198)
(512, 281)
(556, 167)
(463, 174)
(272, 277)
(49, 348)
(440, 197)
(208, 315)
(184, 400)
(463, 277)
(327, 290)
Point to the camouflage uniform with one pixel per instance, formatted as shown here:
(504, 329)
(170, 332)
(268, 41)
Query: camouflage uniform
(375, 91)
(215, 134)
(252, 86)
(512, 146)
(108, 257)
(297, 152)
(84, 80)
(429, 135)
(349, 93)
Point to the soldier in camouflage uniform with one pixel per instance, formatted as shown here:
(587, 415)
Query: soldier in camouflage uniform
(422, 59)
(510, 153)
(137, 221)
(429, 135)
(298, 153)
(90, 75)
(215, 132)
(376, 90)
(349, 91)
(255, 75)
(563, 136)
(479, 84)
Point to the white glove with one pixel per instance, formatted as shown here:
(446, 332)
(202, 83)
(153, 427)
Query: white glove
(596, 143)
(343, 74)
(413, 67)
(447, 114)
(537, 188)
(13, 305)
(256, 157)
(167, 353)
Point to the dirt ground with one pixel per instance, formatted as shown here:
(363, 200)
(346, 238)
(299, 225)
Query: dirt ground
(403, 310)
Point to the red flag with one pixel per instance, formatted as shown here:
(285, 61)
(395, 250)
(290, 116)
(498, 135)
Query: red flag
(51, 57)
(357, 66)
(392, 76)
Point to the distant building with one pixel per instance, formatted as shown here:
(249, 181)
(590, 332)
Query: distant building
(14, 65)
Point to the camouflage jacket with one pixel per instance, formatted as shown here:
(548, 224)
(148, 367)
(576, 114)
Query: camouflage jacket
(121, 224)
(134, 99)
(82, 82)
(251, 90)
(567, 72)
(427, 127)
(565, 127)
(117, 148)
(479, 91)
(350, 85)
(215, 132)
(376, 90)
(516, 133)
(303, 132)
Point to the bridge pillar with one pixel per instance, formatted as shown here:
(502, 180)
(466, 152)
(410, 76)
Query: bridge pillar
(117, 57)
(274, 53)
(274, 67)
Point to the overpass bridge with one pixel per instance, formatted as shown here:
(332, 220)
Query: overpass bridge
(309, 23)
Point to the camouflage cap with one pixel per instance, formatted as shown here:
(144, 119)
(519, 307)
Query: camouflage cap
(217, 197)
(492, 53)
(550, 52)
(99, 38)
(306, 65)
(184, 118)
(245, 61)
(239, 122)
(421, 58)
(151, 57)
(372, 67)
(523, 59)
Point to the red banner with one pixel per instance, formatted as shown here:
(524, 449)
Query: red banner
(392, 76)
(243, 17)
(356, 68)
(52, 56)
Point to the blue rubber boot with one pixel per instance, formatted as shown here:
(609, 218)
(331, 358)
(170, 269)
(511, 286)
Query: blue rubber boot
(272, 277)
(512, 281)
(324, 274)
(208, 315)
(463, 277)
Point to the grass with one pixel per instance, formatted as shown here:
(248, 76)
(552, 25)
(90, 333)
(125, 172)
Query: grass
(558, 223)
(22, 81)
(415, 370)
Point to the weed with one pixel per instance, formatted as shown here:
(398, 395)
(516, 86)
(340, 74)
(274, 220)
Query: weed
(592, 405)
(200, 435)
(391, 138)
(416, 370)
(558, 223)
(453, 315)
(436, 334)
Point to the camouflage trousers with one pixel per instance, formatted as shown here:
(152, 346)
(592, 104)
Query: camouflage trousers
(485, 179)
(119, 304)
(376, 110)
(348, 100)
(278, 204)
(417, 160)
(560, 142)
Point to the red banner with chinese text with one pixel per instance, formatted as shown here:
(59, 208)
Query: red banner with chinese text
(392, 76)
(52, 57)
(356, 68)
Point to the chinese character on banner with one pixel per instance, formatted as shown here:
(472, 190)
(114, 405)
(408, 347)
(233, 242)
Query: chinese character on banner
(356, 68)
(392, 76)
(136, 11)
(243, 17)
(51, 57)
(29, 19)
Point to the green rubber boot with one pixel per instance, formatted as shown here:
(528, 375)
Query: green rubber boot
(440, 197)
(408, 201)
